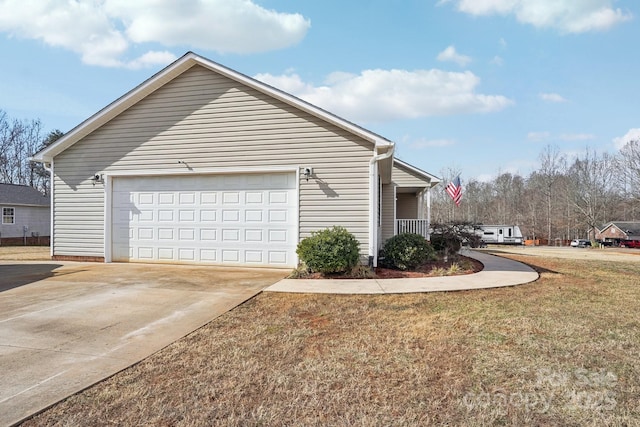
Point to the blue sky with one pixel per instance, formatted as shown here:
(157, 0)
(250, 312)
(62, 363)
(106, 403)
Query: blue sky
(477, 86)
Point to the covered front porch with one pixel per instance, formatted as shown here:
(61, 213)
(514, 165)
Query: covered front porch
(415, 226)
(406, 202)
(412, 211)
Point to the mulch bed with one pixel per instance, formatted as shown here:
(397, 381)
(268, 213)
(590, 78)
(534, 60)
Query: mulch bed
(422, 271)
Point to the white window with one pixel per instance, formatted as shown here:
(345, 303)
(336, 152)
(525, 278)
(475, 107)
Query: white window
(8, 215)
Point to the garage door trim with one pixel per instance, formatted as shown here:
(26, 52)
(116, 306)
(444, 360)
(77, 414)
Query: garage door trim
(108, 188)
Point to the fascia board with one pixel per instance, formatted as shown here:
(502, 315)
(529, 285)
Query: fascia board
(172, 71)
(432, 178)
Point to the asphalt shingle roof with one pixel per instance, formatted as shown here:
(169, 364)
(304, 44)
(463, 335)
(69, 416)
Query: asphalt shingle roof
(11, 194)
(629, 227)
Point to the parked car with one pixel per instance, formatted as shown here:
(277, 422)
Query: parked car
(580, 243)
(630, 244)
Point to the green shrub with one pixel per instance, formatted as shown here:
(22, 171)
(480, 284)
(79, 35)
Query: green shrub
(333, 250)
(406, 251)
(448, 243)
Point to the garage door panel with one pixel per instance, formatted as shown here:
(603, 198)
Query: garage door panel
(209, 255)
(166, 254)
(144, 215)
(252, 216)
(253, 197)
(278, 236)
(208, 234)
(165, 233)
(278, 197)
(230, 198)
(208, 198)
(278, 216)
(166, 199)
(239, 219)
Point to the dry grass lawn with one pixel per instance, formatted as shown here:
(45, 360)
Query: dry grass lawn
(25, 253)
(562, 351)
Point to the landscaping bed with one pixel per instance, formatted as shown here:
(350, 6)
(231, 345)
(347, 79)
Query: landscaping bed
(452, 267)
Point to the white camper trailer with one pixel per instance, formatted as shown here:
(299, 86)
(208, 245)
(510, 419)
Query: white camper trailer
(500, 234)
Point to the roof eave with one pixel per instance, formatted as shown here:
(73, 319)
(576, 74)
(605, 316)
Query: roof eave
(169, 73)
(116, 107)
(434, 180)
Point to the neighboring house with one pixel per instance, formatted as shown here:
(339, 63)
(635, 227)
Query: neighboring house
(616, 231)
(26, 215)
(203, 164)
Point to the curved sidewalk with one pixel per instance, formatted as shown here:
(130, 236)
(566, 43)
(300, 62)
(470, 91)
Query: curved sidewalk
(497, 272)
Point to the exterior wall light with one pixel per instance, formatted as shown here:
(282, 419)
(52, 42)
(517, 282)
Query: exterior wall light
(97, 179)
(307, 172)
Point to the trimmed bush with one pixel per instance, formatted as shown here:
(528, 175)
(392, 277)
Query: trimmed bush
(333, 250)
(447, 243)
(406, 251)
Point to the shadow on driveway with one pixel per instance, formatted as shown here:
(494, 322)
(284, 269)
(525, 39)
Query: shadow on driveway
(16, 275)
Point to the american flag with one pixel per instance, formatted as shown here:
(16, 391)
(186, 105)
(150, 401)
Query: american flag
(454, 189)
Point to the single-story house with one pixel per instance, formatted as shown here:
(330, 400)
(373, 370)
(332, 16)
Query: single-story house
(200, 163)
(617, 231)
(26, 215)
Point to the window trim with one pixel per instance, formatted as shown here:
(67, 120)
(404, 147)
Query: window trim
(6, 215)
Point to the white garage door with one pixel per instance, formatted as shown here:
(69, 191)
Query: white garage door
(223, 219)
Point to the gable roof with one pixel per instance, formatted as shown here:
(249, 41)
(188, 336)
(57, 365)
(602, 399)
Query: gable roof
(628, 227)
(22, 195)
(432, 179)
(172, 71)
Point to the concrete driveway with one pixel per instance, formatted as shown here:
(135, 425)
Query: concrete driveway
(65, 326)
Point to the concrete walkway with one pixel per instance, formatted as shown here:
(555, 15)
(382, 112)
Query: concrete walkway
(497, 272)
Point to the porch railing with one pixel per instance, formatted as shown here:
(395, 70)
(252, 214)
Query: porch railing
(417, 226)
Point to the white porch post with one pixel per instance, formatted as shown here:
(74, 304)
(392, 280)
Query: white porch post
(428, 218)
(395, 210)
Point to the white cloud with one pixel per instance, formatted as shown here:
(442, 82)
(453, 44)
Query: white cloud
(450, 54)
(151, 58)
(497, 60)
(552, 97)
(632, 135)
(576, 137)
(568, 16)
(239, 26)
(538, 136)
(384, 95)
(102, 32)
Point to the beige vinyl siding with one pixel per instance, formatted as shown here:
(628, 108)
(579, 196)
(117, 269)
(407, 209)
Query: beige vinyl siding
(211, 122)
(388, 214)
(405, 178)
(407, 207)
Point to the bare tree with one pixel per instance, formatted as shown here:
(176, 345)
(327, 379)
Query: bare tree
(552, 165)
(592, 186)
(443, 210)
(19, 140)
(40, 177)
(554, 201)
(629, 164)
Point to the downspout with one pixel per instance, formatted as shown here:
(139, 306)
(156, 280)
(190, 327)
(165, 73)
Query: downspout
(49, 168)
(373, 196)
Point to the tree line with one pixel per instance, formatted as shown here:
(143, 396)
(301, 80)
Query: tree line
(19, 140)
(561, 200)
